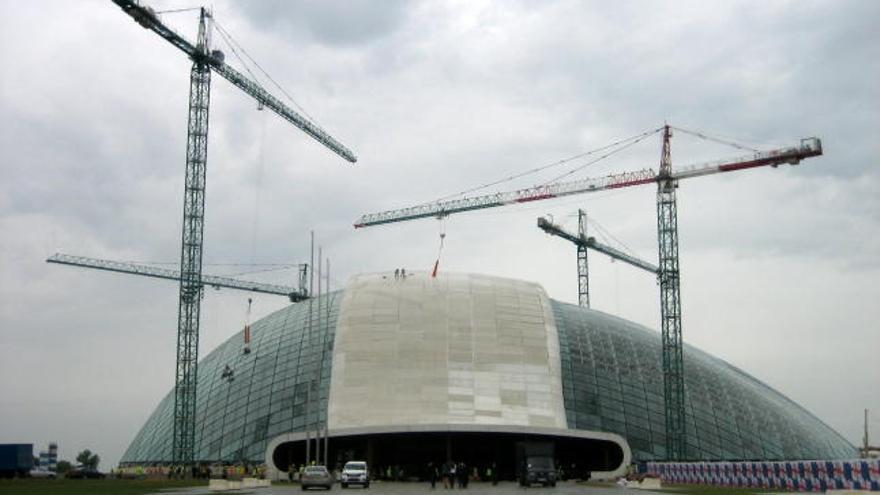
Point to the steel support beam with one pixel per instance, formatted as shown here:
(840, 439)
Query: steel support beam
(670, 308)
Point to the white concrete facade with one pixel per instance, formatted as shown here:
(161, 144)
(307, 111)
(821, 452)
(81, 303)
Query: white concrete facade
(457, 349)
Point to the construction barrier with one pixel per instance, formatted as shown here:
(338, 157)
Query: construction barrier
(816, 476)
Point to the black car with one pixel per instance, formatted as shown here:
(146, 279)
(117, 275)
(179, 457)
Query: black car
(85, 473)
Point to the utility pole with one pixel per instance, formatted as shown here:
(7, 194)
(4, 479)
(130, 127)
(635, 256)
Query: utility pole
(308, 345)
(317, 372)
(323, 357)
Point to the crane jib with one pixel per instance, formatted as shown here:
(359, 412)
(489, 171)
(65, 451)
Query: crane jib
(808, 147)
(637, 182)
(535, 198)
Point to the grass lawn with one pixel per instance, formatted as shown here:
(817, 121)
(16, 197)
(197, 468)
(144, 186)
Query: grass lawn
(90, 487)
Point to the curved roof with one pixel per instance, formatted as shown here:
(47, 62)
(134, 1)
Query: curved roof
(471, 350)
(613, 381)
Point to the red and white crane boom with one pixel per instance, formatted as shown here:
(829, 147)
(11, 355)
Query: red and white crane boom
(793, 155)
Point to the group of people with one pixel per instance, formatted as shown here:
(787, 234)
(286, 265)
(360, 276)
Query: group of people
(458, 474)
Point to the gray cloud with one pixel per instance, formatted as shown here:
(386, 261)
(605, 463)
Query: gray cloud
(334, 23)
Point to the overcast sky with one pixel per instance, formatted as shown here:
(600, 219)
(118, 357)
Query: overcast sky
(779, 266)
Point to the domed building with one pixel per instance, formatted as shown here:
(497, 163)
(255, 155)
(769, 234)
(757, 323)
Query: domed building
(405, 371)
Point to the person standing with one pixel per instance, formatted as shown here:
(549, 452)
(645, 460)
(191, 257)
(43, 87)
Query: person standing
(432, 474)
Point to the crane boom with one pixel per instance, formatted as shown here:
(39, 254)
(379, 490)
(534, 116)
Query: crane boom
(274, 104)
(295, 294)
(148, 19)
(591, 242)
(808, 147)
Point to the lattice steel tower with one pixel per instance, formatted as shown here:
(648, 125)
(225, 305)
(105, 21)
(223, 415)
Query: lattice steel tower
(670, 306)
(583, 267)
(189, 304)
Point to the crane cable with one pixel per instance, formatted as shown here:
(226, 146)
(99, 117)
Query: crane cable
(258, 187)
(636, 137)
(440, 249)
(228, 39)
(233, 44)
(177, 11)
(716, 139)
(606, 234)
(247, 329)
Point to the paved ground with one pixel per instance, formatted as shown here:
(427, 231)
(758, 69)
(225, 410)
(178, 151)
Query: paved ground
(378, 488)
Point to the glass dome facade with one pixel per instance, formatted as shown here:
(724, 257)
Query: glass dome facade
(611, 382)
(268, 394)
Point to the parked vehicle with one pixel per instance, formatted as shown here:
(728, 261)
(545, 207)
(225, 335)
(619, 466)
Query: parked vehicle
(42, 473)
(84, 473)
(355, 473)
(316, 476)
(534, 461)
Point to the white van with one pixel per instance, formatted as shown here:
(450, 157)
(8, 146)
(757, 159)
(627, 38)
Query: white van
(355, 473)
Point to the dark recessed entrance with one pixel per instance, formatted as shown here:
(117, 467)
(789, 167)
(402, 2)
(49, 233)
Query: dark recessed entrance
(408, 454)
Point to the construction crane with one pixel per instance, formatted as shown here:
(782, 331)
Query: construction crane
(295, 294)
(582, 242)
(204, 61)
(667, 240)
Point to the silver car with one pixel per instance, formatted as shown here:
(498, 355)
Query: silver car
(316, 476)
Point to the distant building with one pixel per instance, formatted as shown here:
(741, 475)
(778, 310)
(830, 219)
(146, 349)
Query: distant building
(49, 459)
(407, 371)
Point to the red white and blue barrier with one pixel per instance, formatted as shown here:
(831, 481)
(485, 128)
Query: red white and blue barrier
(815, 476)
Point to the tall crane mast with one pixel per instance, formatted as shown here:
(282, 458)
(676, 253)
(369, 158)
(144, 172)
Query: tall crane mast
(295, 294)
(667, 237)
(204, 62)
(670, 306)
(583, 265)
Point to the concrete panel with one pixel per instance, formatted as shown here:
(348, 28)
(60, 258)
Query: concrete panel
(457, 349)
